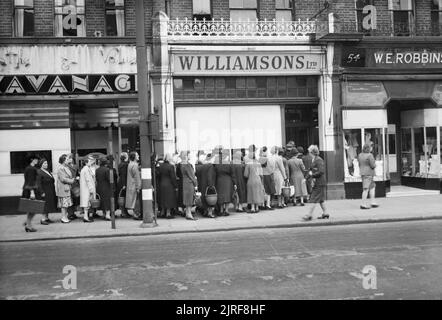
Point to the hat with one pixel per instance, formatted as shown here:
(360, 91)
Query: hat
(300, 149)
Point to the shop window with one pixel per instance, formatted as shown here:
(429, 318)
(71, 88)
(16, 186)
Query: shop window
(20, 159)
(69, 18)
(202, 9)
(352, 147)
(407, 153)
(436, 17)
(431, 156)
(243, 10)
(115, 18)
(284, 10)
(402, 14)
(359, 5)
(23, 18)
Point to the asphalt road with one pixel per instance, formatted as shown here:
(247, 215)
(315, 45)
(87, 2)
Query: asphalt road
(297, 263)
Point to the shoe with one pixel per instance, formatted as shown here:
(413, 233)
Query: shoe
(211, 216)
(225, 214)
(30, 229)
(64, 221)
(72, 217)
(87, 220)
(281, 207)
(170, 217)
(302, 204)
(107, 218)
(137, 217)
(49, 220)
(364, 207)
(191, 218)
(270, 208)
(239, 211)
(44, 222)
(374, 205)
(307, 218)
(324, 216)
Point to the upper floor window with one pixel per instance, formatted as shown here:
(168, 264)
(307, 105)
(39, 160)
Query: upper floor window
(69, 18)
(243, 10)
(23, 18)
(202, 9)
(402, 12)
(115, 18)
(436, 17)
(360, 15)
(284, 10)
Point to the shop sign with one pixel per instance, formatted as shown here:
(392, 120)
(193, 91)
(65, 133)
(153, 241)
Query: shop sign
(245, 63)
(68, 84)
(404, 58)
(68, 59)
(364, 94)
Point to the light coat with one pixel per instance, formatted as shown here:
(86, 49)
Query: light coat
(87, 186)
(133, 184)
(64, 182)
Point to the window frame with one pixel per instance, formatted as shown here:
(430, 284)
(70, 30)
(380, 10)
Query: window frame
(290, 8)
(115, 8)
(60, 27)
(411, 17)
(436, 9)
(14, 20)
(201, 16)
(256, 8)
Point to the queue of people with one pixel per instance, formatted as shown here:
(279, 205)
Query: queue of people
(252, 182)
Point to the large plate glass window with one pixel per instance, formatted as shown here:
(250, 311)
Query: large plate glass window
(115, 18)
(402, 14)
(284, 10)
(243, 10)
(70, 18)
(23, 18)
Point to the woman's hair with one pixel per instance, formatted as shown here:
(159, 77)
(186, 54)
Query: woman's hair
(314, 150)
(281, 151)
(300, 150)
(184, 154)
(293, 153)
(132, 156)
(42, 160)
(366, 148)
(103, 162)
(168, 158)
(124, 156)
(62, 158)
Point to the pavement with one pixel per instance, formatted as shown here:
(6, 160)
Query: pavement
(341, 212)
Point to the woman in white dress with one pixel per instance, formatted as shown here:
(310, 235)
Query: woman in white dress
(87, 187)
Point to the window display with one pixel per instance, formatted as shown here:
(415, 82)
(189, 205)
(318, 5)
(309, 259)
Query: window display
(430, 149)
(407, 152)
(354, 139)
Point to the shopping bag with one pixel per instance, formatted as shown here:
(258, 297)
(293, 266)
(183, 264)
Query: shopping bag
(292, 191)
(235, 198)
(304, 188)
(29, 205)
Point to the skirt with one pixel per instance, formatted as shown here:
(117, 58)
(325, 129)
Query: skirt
(318, 194)
(64, 202)
(367, 182)
(269, 184)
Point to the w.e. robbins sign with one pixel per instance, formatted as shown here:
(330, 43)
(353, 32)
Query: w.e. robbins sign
(246, 63)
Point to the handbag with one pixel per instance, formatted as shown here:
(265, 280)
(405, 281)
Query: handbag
(235, 198)
(29, 205)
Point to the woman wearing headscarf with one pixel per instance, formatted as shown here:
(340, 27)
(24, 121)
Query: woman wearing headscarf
(87, 187)
(224, 179)
(189, 184)
(253, 174)
(206, 175)
(296, 168)
(268, 168)
(104, 190)
(168, 186)
(279, 175)
(239, 180)
(47, 183)
(317, 172)
(65, 179)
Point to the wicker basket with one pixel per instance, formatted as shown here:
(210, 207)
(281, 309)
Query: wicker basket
(95, 203)
(121, 199)
(211, 198)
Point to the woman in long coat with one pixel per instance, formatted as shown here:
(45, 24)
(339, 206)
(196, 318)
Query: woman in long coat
(65, 179)
(279, 174)
(206, 175)
(239, 180)
(47, 183)
(255, 187)
(104, 190)
(87, 188)
(122, 179)
(296, 168)
(224, 179)
(31, 189)
(168, 186)
(189, 184)
(133, 184)
(268, 169)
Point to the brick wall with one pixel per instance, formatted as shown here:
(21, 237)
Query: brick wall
(423, 18)
(181, 9)
(266, 10)
(44, 18)
(6, 12)
(220, 9)
(95, 17)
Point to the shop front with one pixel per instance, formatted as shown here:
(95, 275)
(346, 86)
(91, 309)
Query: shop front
(56, 99)
(391, 100)
(235, 97)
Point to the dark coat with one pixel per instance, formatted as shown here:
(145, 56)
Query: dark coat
(104, 187)
(122, 175)
(224, 182)
(206, 175)
(31, 182)
(168, 184)
(318, 171)
(240, 181)
(179, 176)
(189, 183)
(48, 188)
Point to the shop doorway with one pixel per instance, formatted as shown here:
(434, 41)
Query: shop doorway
(414, 145)
(301, 124)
